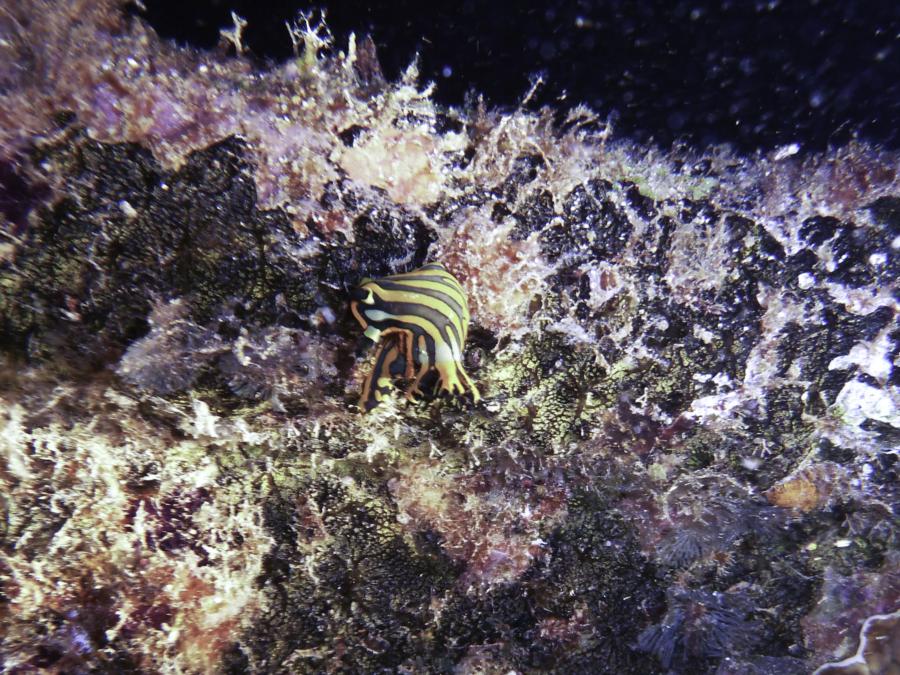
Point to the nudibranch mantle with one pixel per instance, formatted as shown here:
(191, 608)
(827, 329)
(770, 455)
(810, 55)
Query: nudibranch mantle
(420, 321)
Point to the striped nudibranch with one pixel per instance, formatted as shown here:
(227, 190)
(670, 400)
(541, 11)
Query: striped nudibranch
(420, 321)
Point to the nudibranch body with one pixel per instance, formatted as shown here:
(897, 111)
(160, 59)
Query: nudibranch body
(420, 321)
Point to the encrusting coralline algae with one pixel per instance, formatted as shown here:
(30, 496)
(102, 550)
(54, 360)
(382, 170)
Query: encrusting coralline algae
(685, 455)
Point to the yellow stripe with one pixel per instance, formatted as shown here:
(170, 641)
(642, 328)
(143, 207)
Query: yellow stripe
(456, 293)
(427, 326)
(413, 298)
(442, 273)
(438, 285)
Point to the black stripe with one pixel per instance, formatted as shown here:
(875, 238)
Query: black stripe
(432, 316)
(437, 295)
(377, 370)
(429, 345)
(423, 277)
(359, 293)
(381, 366)
(416, 332)
(397, 367)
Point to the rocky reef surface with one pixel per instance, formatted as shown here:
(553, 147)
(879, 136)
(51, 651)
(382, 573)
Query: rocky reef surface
(685, 459)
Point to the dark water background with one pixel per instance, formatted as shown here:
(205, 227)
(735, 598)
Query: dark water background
(753, 74)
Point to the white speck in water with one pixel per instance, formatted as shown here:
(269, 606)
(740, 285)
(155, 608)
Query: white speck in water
(127, 209)
(786, 151)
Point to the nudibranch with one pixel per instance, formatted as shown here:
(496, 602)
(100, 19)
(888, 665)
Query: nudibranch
(420, 321)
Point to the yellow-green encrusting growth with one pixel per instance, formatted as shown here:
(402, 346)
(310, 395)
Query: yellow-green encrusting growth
(420, 321)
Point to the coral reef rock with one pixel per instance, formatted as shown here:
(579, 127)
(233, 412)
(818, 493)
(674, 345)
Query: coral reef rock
(684, 458)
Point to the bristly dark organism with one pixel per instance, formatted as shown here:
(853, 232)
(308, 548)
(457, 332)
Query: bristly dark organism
(699, 626)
